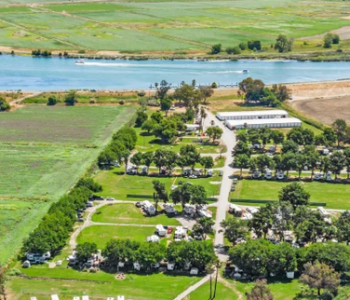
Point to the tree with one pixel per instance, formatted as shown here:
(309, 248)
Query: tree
(347, 160)
(295, 194)
(289, 146)
(264, 162)
(214, 132)
(170, 160)
(149, 254)
(329, 137)
(252, 88)
(4, 106)
(283, 44)
(320, 276)
(281, 91)
(165, 105)
(120, 250)
(241, 148)
(84, 251)
(159, 159)
(203, 227)
(277, 137)
(242, 162)
(160, 192)
(301, 136)
(262, 221)
(283, 259)
(328, 40)
(190, 154)
(265, 135)
(147, 158)
(52, 100)
(252, 257)
(166, 130)
(206, 92)
(198, 194)
(207, 162)
(141, 117)
(148, 126)
(71, 98)
(137, 159)
(182, 194)
(203, 115)
(2, 283)
(242, 46)
(188, 94)
(234, 229)
(300, 162)
(339, 127)
(343, 225)
(216, 49)
(254, 45)
(308, 224)
(157, 117)
(106, 157)
(260, 291)
(90, 184)
(162, 89)
(337, 163)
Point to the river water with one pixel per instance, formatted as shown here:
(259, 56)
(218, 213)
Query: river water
(43, 74)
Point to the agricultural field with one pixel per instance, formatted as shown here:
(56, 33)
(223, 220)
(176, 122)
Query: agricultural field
(334, 194)
(44, 150)
(325, 110)
(166, 25)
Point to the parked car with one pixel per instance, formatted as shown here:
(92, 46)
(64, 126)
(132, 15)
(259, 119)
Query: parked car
(170, 230)
(193, 177)
(221, 173)
(110, 199)
(233, 188)
(138, 204)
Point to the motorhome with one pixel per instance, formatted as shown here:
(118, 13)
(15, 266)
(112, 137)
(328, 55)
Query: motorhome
(323, 212)
(235, 210)
(280, 175)
(180, 233)
(268, 174)
(190, 209)
(318, 176)
(169, 209)
(256, 174)
(160, 230)
(149, 208)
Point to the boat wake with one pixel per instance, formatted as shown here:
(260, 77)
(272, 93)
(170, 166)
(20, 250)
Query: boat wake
(227, 72)
(101, 64)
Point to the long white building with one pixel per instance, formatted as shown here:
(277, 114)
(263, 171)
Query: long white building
(249, 115)
(260, 123)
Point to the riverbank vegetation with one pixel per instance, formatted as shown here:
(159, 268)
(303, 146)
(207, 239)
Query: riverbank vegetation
(199, 25)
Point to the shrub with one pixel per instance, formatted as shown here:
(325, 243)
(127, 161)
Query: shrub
(81, 51)
(121, 102)
(233, 50)
(216, 49)
(52, 101)
(254, 45)
(36, 52)
(242, 46)
(214, 85)
(141, 93)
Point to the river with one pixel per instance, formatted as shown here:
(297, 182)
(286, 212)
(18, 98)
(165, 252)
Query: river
(44, 74)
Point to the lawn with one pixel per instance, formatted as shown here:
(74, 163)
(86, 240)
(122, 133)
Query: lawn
(101, 234)
(126, 213)
(335, 195)
(222, 293)
(118, 185)
(137, 287)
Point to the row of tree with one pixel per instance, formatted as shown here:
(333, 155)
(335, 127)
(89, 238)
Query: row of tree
(119, 148)
(185, 193)
(255, 90)
(290, 213)
(199, 254)
(309, 158)
(188, 157)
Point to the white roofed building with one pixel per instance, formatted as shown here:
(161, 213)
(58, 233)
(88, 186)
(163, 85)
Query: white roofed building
(249, 115)
(260, 123)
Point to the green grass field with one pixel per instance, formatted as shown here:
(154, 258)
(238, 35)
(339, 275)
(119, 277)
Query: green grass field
(335, 195)
(43, 152)
(101, 234)
(166, 25)
(117, 184)
(126, 213)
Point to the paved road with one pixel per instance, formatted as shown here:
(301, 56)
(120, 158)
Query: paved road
(229, 138)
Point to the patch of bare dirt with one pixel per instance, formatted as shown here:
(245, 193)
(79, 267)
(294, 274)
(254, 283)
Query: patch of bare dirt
(108, 53)
(325, 110)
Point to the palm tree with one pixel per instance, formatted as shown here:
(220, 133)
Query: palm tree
(203, 116)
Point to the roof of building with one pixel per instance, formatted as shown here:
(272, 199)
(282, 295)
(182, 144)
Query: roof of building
(263, 121)
(252, 113)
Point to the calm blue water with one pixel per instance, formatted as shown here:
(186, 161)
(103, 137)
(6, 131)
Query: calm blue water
(39, 74)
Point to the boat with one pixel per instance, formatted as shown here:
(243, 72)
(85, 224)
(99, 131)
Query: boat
(80, 62)
(245, 71)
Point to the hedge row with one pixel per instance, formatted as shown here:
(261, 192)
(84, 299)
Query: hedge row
(271, 201)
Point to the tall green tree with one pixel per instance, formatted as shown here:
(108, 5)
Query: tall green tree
(71, 98)
(241, 161)
(283, 44)
(295, 194)
(4, 106)
(165, 105)
(160, 192)
(234, 229)
(85, 250)
(338, 162)
(339, 127)
(320, 276)
(214, 132)
(162, 89)
(137, 160)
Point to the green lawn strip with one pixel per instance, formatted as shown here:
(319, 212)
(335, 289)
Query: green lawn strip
(84, 7)
(334, 194)
(138, 287)
(102, 234)
(118, 185)
(222, 292)
(281, 289)
(126, 213)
